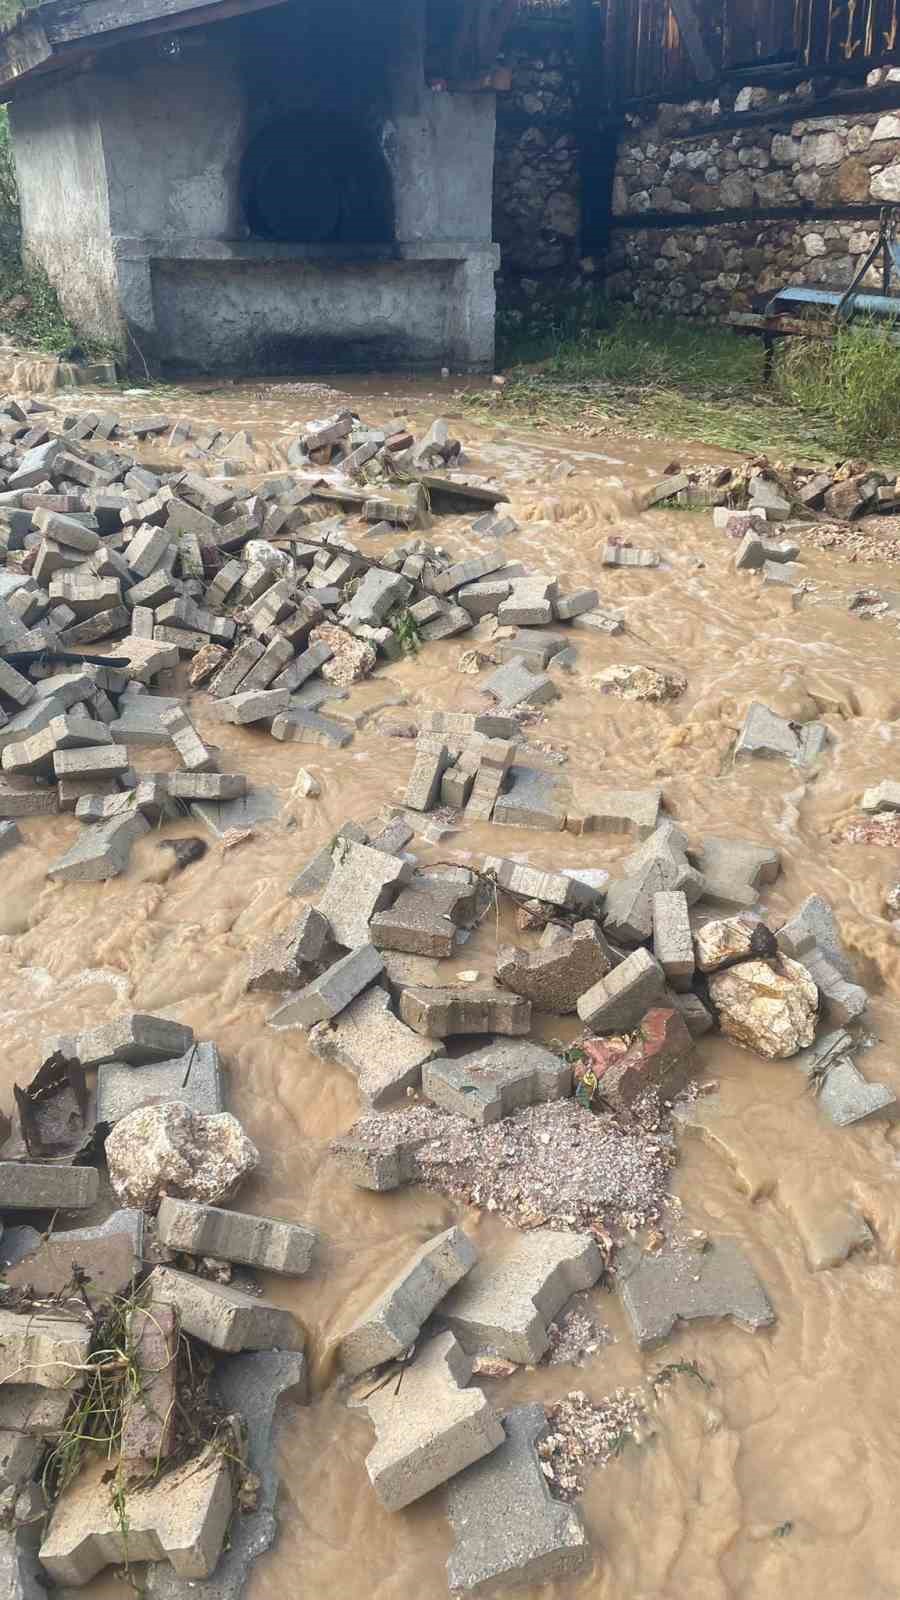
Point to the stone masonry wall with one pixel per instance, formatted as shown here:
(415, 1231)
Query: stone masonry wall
(707, 269)
(537, 212)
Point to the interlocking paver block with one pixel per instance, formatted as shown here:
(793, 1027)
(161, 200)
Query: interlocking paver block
(424, 918)
(392, 1321)
(442, 1012)
(32, 1186)
(673, 944)
(134, 1038)
(504, 1304)
(734, 869)
(331, 993)
(47, 1351)
(363, 881)
(441, 1428)
(767, 734)
(492, 1083)
(101, 852)
(148, 1421)
(290, 959)
(633, 811)
(554, 977)
(195, 1078)
(195, 755)
(619, 1000)
(264, 1242)
(386, 1056)
(224, 1317)
(682, 1283)
(507, 1526)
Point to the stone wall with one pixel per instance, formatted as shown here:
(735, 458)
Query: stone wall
(537, 212)
(820, 168)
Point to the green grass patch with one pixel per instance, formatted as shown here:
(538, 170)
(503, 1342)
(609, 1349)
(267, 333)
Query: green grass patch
(692, 382)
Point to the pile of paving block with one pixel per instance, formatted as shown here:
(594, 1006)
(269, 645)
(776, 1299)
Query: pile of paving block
(155, 1096)
(774, 492)
(115, 573)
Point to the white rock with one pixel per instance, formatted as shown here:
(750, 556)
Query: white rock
(886, 128)
(170, 1150)
(768, 1006)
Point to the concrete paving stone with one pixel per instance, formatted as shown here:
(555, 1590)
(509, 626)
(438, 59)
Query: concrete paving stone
(463, 573)
(20, 1458)
(275, 658)
(531, 603)
(378, 1153)
(33, 1186)
(439, 1013)
(508, 1529)
(14, 686)
(686, 1283)
(363, 881)
(110, 1255)
(536, 646)
(68, 531)
(734, 870)
(513, 684)
(569, 606)
(224, 1317)
(694, 1013)
(72, 731)
(424, 919)
(533, 798)
(290, 959)
(9, 837)
(884, 796)
(430, 762)
(846, 1096)
(602, 620)
(250, 1386)
(195, 1077)
(619, 1001)
(304, 666)
(628, 917)
(625, 555)
(784, 574)
(555, 976)
(393, 1320)
(152, 591)
(813, 926)
(41, 1350)
(91, 761)
(147, 549)
(533, 883)
(206, 785)
(457, 727)
(366, 1037)
(182, 1518)
(222, 816)
(634, 811)
(134, 1038)
(234, 670)
(673, 944)
(484, 599)
(30, 1412)
(485, 792)
(331, 993)
(296, 726)
(100, 852)
(505, 1303)
(148, 1417)
(490, 1084)
(378, 594)
(264, 1242)
(839, 1001)
(194, 754)
(765, 733)
(255, 706)
(441, 1428)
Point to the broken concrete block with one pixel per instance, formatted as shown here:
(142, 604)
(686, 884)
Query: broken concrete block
(170, 1149)
(841, 1002)
(442, 1428)
(533, 799)
(764, 733)
(684, 1283)
(135, 1038)
(331, 993)
(507, 1526)
(552, 888)
(41, 1350)
(198, 1230)
(884, 796)
(13, 686)
(842, 1093)
(656, 1058)
(255, 706)
(504, 1304)
(734, 869)
(424, 919)
(91, 761)
(513, 684)
(531, 603)
(250, 809)
(190, 786)
(100, 852)
(442, 1012)
(633, 811)
(194, 754)
(234, 670)
(9, 837)
(33, 1186)
(298, 726)
(493, 1083)
(386, 1056)
(195, 1078)
(814, 926)
(379, 1152)
(21, 797)
(181, 1518)
(430, 763)
(226, 1318)
(363, 881)
(109, 1256)
(673, 944)
(554, 977)
(148, 1420)
(288, 961)
(392, 1322)
(619, 1001)
(659, 864)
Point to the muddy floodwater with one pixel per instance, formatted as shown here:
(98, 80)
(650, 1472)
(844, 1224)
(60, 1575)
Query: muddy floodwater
(782, 1476)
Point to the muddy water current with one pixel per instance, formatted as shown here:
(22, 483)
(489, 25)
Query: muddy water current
(783, 1475)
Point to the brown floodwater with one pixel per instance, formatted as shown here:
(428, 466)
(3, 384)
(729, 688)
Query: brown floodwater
(783, 1475)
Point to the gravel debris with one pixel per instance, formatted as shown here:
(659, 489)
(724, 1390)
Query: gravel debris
(854, 543)
(574, 1336)
(584, 1434)
(870, 830)
(554, 1165)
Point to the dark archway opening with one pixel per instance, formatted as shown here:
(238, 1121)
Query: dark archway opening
(315, 180)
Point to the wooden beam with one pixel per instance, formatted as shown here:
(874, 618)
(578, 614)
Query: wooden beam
(685, 15)
(90, 19)
(23, 51)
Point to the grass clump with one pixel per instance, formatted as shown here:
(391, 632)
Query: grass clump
(851, 382)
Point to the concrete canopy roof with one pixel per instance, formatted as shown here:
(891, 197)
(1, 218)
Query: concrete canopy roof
(61, 33)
